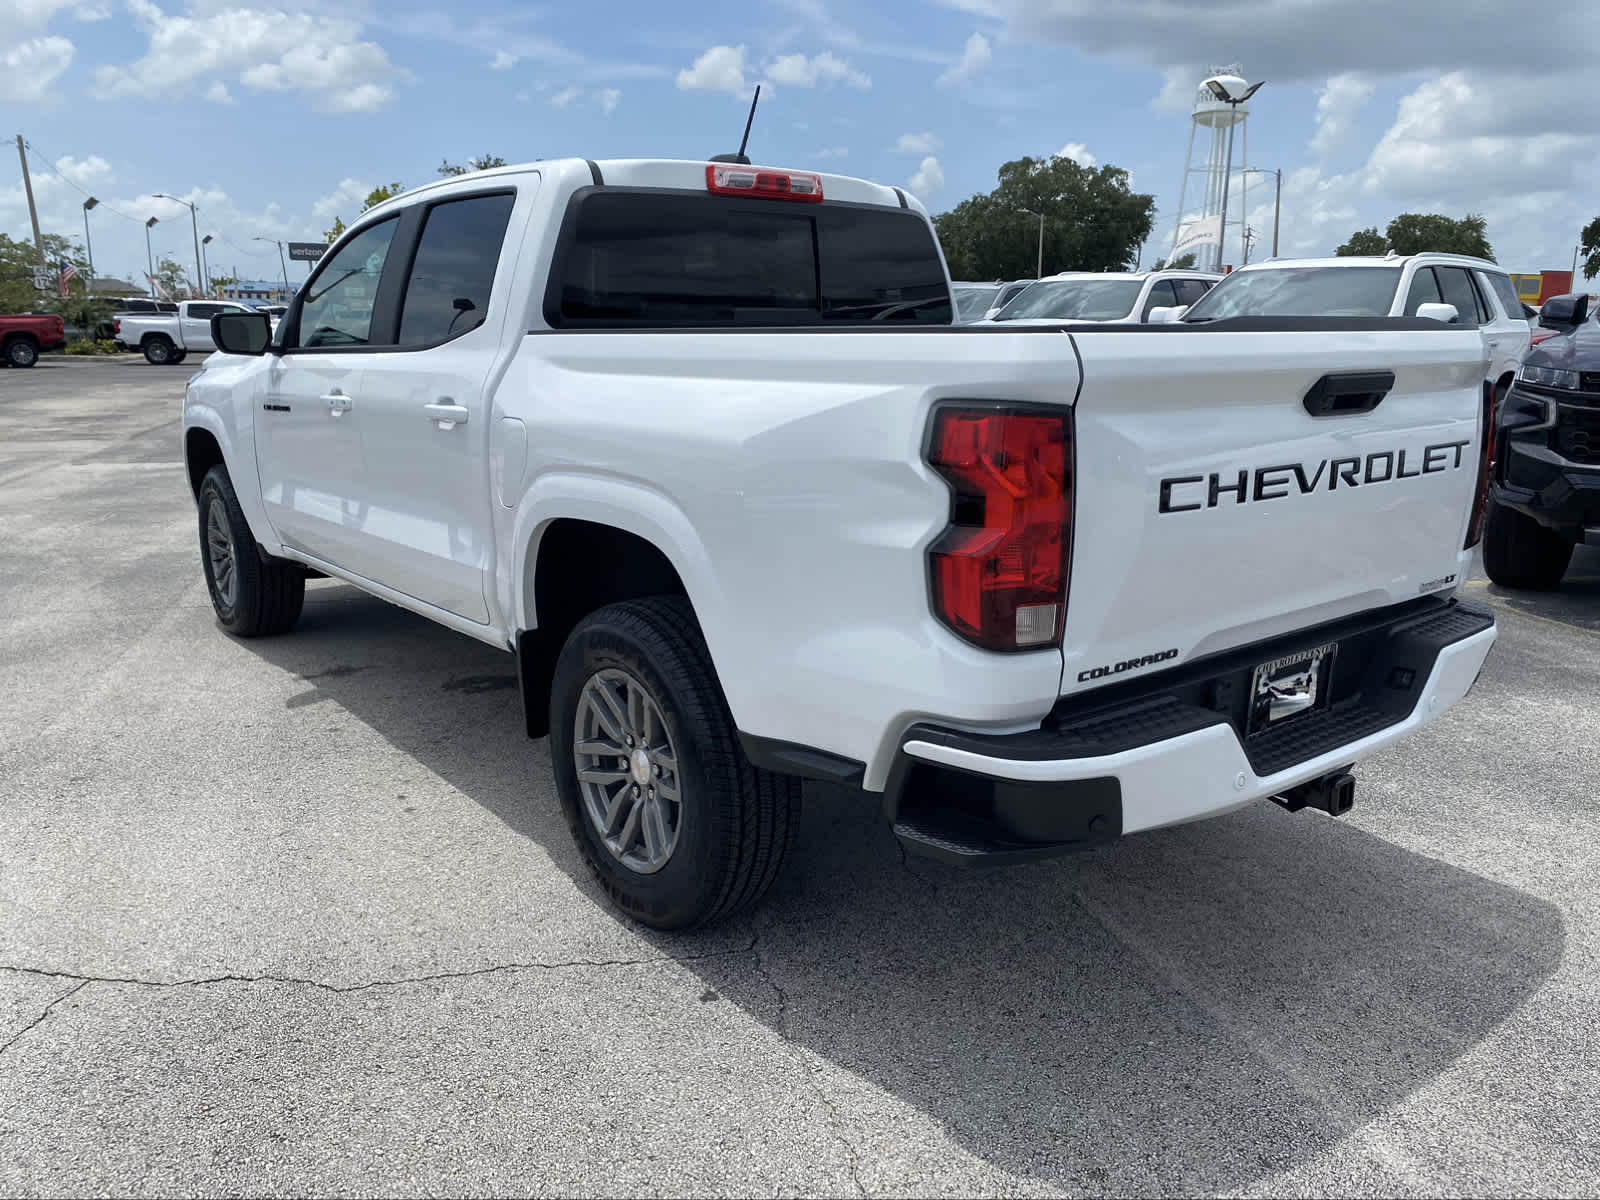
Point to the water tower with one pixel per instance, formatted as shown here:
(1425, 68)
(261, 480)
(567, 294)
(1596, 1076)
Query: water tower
(1220, 110)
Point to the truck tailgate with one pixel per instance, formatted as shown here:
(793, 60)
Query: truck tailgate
(1213, 509)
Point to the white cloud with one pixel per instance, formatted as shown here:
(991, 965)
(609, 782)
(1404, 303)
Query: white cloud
(218, 93)
(347, 197)
(1338, 103)
(503, 61)
(321, 57)
(928, 179)
(609, 99)
(974, 58)
(27, 69)
(796, 70)
(719, 69)
(833, 152)
(1078, 153)
(85, 172)
(918, 143)
(565, 97)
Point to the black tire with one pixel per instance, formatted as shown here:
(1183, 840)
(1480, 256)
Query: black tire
(178, 357)
(22, 351)
(158, 350)
(1518, 552)
(735, 823)
(266, 594)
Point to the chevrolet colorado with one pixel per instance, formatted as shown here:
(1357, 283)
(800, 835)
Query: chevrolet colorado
(699, 444)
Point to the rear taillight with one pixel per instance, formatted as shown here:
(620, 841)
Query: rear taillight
(999, 571)
(725, 180)
(1480, 496)
(116, 325)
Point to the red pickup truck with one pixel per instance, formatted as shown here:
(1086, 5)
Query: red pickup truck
(22, 337)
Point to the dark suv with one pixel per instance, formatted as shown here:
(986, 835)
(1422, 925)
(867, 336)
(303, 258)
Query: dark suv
(1544, 497)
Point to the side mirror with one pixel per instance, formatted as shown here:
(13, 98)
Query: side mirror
(1445, 313)
(241, 332)
(1166, 315)
(1563, 312)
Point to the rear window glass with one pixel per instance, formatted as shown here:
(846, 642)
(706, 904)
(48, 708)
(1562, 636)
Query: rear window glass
(1075, 299)
(972, 303)
(1510, 302)
(640, 259)
(1300, 292)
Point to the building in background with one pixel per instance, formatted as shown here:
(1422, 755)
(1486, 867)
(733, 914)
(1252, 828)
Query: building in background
(1535, 289)
(270, 290)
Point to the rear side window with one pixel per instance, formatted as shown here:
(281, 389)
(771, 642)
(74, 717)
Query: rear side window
(206, 311)
(1510, 302)
(633, 259)
(1190, 290)
(447, 292)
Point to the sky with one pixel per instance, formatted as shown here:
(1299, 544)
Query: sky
(273, 117)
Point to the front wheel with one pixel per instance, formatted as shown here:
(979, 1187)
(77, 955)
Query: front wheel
(158, 350)
(1518, 552)
(253, 596)
(680, 829)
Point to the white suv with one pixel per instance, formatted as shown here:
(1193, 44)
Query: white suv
(1460, 289)
(1122, 298)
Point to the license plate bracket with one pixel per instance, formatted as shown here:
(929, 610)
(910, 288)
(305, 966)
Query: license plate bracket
(1291, 686)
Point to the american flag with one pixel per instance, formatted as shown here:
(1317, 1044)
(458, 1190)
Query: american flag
(68, 272)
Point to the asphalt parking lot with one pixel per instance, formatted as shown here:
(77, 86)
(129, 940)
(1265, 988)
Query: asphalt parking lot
(300, 916)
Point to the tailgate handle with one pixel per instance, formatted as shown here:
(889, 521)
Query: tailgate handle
(1348, 392)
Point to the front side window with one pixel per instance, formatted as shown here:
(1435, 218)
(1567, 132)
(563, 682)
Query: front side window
(448, 290)
(204, 311)
(1300, 292)
(339, 300)
(1455, 285)
(1162, 295)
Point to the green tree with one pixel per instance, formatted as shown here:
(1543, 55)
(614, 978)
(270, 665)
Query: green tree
(1589, 242)
(1415, 233)
(1364, 242)
(1092, 221)
(169, 274)
(1184, 262)
(18, 259)
(482, 163)
(374, 198)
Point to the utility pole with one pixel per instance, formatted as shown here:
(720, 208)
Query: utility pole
(33, 212)
(1248, 236)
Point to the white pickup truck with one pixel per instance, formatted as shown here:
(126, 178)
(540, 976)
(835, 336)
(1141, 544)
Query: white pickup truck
(698, 444)
(167, 338)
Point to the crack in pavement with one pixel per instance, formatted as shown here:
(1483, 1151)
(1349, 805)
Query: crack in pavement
(835, 1117)
(40, 1019)
(347, 988)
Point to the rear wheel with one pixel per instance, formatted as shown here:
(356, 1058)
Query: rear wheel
(253, 596)
(22, 351)
(158, 350)
(680, 829)
(1518, 552)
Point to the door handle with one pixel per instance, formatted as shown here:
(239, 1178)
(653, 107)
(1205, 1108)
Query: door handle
(448, 415)
(338, 403)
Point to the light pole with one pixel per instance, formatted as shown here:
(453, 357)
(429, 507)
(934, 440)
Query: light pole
(1221, 93)
(1277, 200)
(87, 244)
(1038, 271)
(149, 258)
(194, 222)
(282, 262)
(205, 267)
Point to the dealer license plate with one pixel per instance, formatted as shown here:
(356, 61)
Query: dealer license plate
(1290, 686)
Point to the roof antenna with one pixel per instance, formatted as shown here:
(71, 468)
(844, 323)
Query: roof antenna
(740, 157)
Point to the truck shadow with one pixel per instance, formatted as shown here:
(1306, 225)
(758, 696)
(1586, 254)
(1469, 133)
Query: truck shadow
(1184, 1012)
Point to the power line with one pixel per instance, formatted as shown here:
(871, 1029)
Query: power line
(50, 166)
